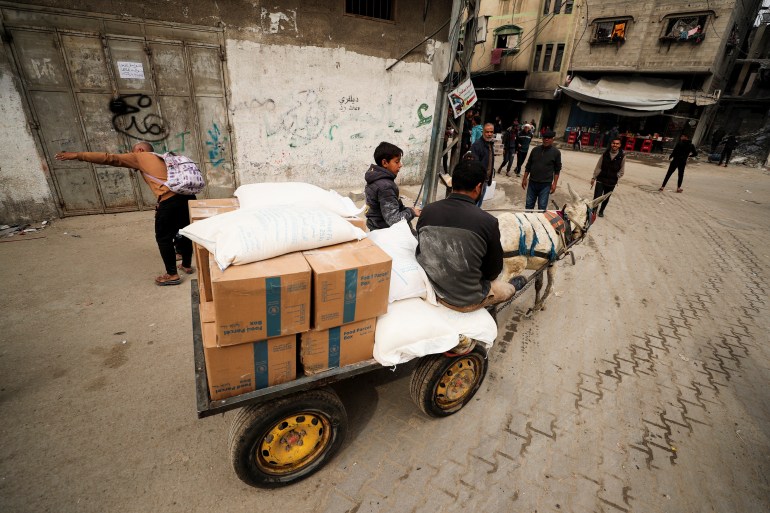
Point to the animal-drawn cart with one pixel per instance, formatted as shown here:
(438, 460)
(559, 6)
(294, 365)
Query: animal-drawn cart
(284, 433)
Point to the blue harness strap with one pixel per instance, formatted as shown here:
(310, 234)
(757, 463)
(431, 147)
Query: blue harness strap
(552, 254)
(522, 237)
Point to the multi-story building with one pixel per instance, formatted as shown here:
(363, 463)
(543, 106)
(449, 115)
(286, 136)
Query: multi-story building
(525, 57)
(654, 66)
(644, 66)
(745, 104)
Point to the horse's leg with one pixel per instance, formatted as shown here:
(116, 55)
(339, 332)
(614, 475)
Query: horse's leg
(538, 286)
(551, 274)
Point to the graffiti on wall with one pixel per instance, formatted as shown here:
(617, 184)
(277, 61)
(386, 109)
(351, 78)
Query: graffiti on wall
(131, 118)
(423, 120)
(215, 145)
(304, 122)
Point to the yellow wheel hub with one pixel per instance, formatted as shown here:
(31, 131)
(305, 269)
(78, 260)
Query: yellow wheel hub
(293, 443)
(457, 382)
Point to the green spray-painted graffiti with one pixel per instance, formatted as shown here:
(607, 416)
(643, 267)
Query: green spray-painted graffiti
(423, 120)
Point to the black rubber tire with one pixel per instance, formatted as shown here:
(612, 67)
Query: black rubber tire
(252, 423)
(428, 373)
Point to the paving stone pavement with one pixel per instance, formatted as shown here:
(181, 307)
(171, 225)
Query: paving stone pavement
(642, 387)
(635, 400)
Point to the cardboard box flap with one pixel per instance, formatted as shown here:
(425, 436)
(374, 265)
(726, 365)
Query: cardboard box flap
(346, 255)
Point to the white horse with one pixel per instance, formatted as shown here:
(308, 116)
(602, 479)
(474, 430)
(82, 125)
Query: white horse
(533, 239)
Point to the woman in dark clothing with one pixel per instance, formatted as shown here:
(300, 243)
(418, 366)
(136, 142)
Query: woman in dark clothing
(683, 150)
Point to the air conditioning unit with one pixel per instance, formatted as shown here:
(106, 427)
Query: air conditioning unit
(765, 17)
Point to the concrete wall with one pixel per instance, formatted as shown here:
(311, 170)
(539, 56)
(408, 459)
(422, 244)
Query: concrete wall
(316, 114)
(24, 191)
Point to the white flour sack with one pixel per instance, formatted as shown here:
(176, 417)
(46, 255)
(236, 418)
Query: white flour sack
(252, 234)
(406, 280)
(296, 194)
(413, 328)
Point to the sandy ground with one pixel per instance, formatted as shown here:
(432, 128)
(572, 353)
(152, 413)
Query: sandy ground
(643, 386)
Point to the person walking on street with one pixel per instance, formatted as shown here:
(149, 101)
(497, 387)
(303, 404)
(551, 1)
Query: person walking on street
(716, 138)
(522, 147)
(730, 143)
(483, 150)
(578, 145)
(544, 166)
(608, 171)
(171, 212)
(683, 150)
(509, 147)
(477, 130)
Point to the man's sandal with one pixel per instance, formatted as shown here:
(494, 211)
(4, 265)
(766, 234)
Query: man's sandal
(187, 270)
(680, 190)
(166, 279)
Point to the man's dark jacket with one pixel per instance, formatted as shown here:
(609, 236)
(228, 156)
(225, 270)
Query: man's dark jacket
(483, 151)
(610, 168)
(543, 164)
(459, 249)
(385, 207)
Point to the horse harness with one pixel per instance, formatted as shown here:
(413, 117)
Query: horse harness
(562, 225)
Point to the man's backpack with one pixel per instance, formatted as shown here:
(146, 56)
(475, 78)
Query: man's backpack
(184, 177)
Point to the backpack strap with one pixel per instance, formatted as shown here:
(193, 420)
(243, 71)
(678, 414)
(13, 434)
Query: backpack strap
(154, 178)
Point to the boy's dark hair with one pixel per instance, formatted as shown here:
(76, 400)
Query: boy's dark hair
(386, 151)
(467, 175)
(477, 120)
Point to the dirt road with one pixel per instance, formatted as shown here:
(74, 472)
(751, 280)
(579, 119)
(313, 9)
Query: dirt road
(643, 387)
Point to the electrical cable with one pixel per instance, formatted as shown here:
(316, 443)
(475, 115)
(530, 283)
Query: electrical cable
(569, 70)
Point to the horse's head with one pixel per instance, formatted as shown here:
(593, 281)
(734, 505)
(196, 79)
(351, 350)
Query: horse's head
(581, 212)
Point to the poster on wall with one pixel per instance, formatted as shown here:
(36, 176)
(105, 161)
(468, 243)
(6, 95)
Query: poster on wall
(128, 69)
(462, 98)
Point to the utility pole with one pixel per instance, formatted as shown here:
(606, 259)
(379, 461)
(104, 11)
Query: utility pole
(464, 14)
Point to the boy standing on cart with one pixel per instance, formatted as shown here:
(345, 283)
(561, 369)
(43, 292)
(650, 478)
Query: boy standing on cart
(459, 246)
(382, 195)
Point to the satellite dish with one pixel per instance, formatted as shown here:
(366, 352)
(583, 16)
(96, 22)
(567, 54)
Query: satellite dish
(442, 57)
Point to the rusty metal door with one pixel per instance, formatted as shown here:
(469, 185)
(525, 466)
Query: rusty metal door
(96, 91)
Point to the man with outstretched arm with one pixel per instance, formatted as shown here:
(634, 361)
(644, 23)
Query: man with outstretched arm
(171, 213)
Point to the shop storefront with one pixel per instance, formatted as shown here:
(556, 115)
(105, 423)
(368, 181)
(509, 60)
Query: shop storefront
(646, 113)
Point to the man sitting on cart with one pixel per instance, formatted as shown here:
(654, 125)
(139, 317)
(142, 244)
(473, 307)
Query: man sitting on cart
(459, 246)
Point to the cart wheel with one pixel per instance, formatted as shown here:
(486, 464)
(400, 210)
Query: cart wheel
(441, 385)
(286, 440)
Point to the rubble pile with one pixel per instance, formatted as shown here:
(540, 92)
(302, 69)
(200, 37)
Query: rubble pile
(753, 147)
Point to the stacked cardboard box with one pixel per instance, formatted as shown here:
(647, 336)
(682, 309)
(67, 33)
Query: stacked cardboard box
(199, 210)
(254, 315)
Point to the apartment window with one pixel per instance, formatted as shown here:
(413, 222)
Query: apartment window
(558, 57)
(685, 28)
(547, 58)
(546, 7)
(557, 6)
(568, 6)
(610, 31)
(379, 9)
(508, 37)
(538, 53)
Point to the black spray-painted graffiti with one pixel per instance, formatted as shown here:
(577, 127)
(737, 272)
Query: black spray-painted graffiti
(151, 128)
